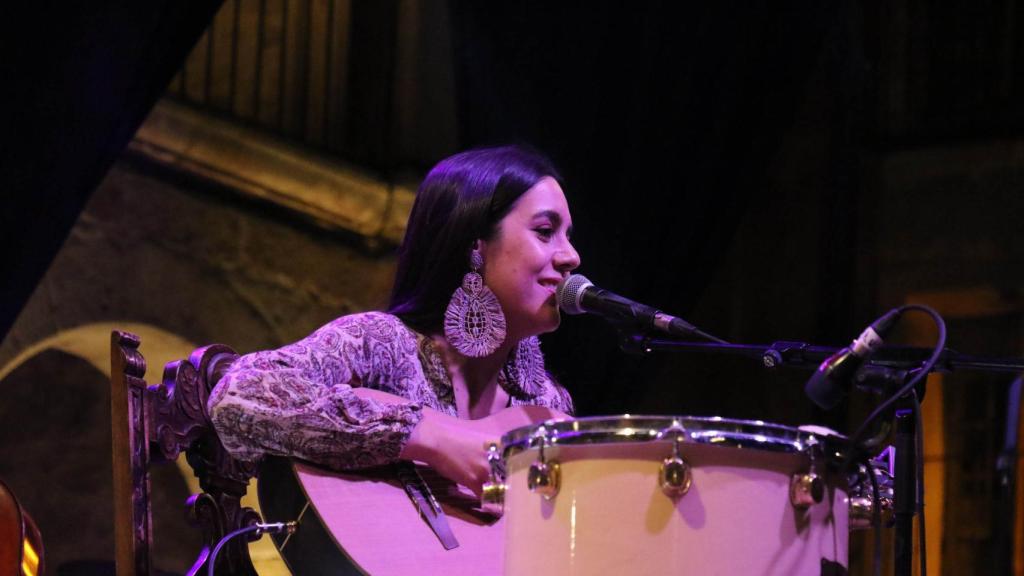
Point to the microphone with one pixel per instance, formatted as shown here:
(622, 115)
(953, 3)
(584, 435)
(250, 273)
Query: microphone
(578, 295)
(830, 382)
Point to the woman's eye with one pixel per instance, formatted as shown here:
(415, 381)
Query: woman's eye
(545, 232)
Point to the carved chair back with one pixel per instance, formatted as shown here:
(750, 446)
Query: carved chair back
(154, 424)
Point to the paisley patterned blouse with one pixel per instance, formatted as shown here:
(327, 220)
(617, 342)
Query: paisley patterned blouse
(299, 401)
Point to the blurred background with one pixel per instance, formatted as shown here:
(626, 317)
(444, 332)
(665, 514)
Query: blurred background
(240, 172)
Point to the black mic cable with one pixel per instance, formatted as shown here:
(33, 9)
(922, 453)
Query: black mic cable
(910, 388)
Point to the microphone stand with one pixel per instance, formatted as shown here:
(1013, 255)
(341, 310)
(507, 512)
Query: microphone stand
(892, 368)
(904, 492)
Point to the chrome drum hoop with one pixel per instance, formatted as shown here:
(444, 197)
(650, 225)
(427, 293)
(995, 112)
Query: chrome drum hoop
(712, 430)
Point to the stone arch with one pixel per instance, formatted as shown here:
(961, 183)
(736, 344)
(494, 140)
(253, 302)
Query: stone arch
(82, 354)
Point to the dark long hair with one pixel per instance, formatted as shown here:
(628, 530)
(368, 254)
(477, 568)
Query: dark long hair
(461, 200)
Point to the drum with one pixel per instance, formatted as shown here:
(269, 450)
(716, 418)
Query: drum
(673, 495)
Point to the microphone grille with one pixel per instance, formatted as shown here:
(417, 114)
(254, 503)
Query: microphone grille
(569, 292)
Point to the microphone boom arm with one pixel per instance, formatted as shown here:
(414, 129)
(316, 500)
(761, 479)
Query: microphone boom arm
(802, 355)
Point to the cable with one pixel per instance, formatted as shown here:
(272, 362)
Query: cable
(925, 369)
(710, 337)
(911, 388)
(259, 528)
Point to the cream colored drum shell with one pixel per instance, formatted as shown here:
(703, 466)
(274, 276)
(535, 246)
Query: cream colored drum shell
(611, 517)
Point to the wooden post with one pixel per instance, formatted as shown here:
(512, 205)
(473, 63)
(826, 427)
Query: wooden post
(133, 523)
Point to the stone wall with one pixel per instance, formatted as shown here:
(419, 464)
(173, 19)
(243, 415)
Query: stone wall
(200, 264)
(182, 259)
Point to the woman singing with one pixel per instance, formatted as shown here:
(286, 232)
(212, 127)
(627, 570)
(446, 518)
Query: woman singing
(487, 243)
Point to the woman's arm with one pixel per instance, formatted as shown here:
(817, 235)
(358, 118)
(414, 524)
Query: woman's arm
(304, 400)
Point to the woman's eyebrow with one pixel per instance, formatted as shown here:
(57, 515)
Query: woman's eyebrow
(555, 217)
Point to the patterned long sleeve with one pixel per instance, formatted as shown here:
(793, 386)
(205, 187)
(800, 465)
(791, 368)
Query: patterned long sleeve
(299, 400)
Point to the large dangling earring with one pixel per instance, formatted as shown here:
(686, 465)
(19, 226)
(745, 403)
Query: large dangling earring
(474, 322)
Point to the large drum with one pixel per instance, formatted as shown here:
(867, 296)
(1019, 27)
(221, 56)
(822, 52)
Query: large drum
(673, 495)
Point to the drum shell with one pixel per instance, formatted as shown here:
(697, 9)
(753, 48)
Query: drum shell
(611, 517)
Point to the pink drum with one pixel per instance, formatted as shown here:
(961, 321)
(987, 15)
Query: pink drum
(673, 495)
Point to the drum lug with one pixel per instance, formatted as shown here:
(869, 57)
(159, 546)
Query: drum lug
(806, 490)
(674, 476)
(862, 511)
(492, 495)
(544, 476)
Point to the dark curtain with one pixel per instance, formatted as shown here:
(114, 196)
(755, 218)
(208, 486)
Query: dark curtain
(663, 117)
(79, 78)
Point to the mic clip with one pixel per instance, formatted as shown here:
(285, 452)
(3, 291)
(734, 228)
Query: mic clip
(632, 341)
(885, 381)
(783, 352)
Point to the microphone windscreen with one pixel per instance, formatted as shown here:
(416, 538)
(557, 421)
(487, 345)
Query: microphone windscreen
(824, 391)
(569, 292)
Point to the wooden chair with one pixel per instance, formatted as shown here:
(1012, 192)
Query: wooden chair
(156, 423)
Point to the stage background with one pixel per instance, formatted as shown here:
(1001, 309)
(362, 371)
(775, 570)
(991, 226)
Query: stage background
(769, 171)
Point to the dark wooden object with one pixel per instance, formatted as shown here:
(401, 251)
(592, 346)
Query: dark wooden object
(156, 423)
(21, 544)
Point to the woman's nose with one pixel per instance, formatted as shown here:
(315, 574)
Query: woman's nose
(567, 259)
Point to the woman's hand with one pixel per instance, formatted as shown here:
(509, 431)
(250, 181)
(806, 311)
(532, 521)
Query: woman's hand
(455, 448)
(451, 446)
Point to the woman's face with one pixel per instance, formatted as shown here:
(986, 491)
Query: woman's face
(529, 254)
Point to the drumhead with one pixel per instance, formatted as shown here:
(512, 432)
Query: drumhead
(713, 430)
